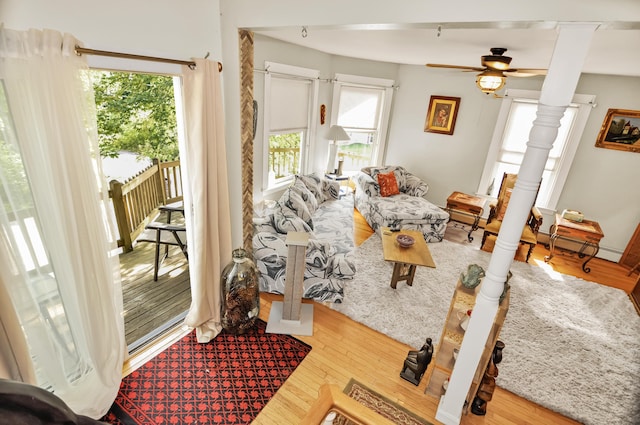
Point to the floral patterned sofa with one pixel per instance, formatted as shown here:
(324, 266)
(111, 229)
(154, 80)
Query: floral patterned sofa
(390, 196)
(310, 205)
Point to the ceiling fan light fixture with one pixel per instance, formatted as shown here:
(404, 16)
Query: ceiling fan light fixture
(490, 81)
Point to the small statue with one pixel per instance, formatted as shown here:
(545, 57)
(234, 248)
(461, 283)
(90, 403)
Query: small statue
(417, 362)
(473, 276)
(488, 383)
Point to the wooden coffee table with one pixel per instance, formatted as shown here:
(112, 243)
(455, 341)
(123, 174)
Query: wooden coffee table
(405, 260)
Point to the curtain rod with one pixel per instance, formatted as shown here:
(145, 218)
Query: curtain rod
(190, 64)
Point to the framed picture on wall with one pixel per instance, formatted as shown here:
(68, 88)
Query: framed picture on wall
(620, 130)
(442, 114)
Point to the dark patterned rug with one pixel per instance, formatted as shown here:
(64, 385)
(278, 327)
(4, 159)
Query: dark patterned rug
(379, 404)
(227, 381)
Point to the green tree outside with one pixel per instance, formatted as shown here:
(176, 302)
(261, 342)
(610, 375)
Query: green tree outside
(136, 113)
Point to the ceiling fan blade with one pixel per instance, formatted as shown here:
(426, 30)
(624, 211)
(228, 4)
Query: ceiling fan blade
(468, 68)
(525, 72)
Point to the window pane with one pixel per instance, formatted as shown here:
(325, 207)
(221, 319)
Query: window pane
(516, 133)
(566, 124)
(511, 157)
(289, 107)
(284, 156)
(359, 107)
(39, 300)
(356, 153)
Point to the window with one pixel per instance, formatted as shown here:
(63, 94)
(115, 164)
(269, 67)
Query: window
(361, 106)
(41, 309)
(511, 134)
(290, 99)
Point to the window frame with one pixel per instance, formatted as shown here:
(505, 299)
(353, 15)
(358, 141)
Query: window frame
(583, 103)
(307, 144)
(384, 110)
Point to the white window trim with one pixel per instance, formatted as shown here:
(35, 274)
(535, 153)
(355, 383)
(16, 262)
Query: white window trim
(378, 152)
(289, 71)
(584, 104)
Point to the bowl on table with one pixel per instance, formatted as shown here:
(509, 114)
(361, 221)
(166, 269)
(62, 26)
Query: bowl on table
(405, 241)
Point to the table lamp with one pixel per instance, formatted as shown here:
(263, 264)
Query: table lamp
(336, 133)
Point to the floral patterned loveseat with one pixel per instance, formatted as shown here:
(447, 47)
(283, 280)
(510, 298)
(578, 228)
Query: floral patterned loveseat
(310, 205)
(404, 208)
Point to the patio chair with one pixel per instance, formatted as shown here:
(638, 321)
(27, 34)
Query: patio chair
(166, 234)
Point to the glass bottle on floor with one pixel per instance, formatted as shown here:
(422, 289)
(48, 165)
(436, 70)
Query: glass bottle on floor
(240, 293)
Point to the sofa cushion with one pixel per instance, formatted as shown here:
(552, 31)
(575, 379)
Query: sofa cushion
(399, 172)
(314, 184)
(415, 186)
(367, 184)
(527, 234)
(330, 189)
(406, 209)
(308, 197)
(293, 200)
(388, 184)
(285, 220)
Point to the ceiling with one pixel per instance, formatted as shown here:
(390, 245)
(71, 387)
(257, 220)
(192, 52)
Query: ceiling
(613, 48)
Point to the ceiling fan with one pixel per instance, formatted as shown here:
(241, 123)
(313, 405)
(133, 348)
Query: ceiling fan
(494, 70)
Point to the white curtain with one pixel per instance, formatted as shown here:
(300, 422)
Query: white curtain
(206, 195)
(62, 324)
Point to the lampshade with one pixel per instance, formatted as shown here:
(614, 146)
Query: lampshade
(336, 132)
(490, 81)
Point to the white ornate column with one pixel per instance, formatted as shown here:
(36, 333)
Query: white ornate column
(558, 89)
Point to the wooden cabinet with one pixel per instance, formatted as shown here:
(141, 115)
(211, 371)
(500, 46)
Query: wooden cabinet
(631, 255)
(635, 295)
(463, 299)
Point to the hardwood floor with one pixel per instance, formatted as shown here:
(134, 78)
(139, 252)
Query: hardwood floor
(151, 305)
(344, 349)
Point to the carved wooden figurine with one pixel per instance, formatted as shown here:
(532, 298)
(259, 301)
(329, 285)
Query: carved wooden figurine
(488, 383)
(416, 363)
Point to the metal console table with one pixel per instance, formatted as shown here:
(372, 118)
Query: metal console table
(587, 232)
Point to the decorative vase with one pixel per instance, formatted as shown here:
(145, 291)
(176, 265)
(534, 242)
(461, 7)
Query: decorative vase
(240, 293)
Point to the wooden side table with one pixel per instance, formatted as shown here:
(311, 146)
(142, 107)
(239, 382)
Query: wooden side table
(588, 232)
(468, 205)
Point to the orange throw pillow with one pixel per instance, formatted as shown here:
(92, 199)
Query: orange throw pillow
(388, 184)
(505, 203)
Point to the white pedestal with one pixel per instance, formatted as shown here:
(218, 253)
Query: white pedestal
(278, 325)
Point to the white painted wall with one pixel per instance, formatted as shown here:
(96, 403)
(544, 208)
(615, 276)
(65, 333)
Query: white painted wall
(165, 28)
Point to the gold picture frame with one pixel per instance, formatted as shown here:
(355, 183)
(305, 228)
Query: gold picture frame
(442, 114)
(620, 130)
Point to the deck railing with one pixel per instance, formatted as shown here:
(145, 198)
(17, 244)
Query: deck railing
(284, 161)
(136, 201)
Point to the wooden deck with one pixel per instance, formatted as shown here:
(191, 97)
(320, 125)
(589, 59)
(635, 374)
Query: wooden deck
(150, 307)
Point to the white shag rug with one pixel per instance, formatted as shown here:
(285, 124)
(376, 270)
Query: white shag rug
(572, 346)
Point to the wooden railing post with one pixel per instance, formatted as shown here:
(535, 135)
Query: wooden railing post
(161, 184)
(115, 190)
